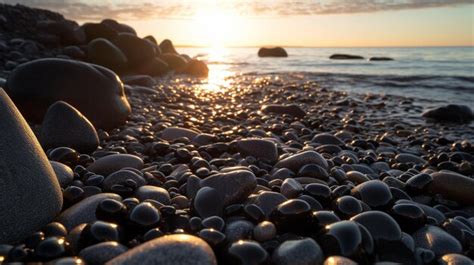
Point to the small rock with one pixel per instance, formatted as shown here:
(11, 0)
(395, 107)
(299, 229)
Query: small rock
(148, 192)
(172, 133)
(233, 187)
(258, 148)
(64, 173)
(298, 252)
(292, 110)
(296, 161)
(84, 211)
(102, 252)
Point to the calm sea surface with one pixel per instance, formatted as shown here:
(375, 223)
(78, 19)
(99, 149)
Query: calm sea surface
(434, 75)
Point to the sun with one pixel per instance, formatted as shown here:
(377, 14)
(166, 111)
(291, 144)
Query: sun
(215, 26)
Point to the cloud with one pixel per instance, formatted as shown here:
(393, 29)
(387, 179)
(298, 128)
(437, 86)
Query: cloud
(151, 9)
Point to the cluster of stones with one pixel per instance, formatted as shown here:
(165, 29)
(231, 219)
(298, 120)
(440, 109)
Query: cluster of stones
(28, 34)
(237, 177)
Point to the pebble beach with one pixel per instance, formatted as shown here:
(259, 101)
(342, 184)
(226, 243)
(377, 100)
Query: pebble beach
(116, 150)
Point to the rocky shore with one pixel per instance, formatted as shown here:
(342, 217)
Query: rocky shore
(121, 166)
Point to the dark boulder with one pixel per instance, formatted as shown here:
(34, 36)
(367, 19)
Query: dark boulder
(103, 52)
(155, 67)
(119, 27)
(94, 90)
(167, 46)
(338, 56)
(272, 52)
(98, 30)
(138, 51)
(151, 39)
(174, 61)
(30, 195)
(68, 31)
(450, 113)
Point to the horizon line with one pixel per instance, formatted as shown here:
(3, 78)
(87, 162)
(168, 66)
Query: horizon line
(311, 46)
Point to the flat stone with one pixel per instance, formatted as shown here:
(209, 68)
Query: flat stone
(64, 174)
(172, 133)
(326, 138)
(296, 161)
(169, 250)
(111, 163)
(84, 211)
(64, 125)
(453, 186)
(148, 192)
(92, 89)
(233, 187)
(409, 158)
(258, 148)
(30, 195)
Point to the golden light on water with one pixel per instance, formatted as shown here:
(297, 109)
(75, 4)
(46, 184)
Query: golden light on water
(219, 73)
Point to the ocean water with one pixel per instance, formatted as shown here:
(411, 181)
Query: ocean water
(433, 75)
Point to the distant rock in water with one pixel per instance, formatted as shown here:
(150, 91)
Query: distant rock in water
(380, 59)
(338, 56)
(30, 195)
(272, 52)
(450, 113)
(94, 90)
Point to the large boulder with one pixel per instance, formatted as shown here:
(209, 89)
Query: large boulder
(272, 52)
(30, 195)
(196, 68)
(175, 61)
(103, 52)
(167, 46)
(63, 125)
(94, 90)
(68, 31)
(450, 113)
(98, 30)
(138, 51)
(119, 27)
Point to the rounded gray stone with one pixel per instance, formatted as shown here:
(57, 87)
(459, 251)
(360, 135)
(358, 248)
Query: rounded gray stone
(296, 161)
(119, 177)
(84, 211)
(258, 148)
(148, 192)
(169, 250)
(111, 163)
(172, 133)
(64, 125)
(30, 195)
(437, 240)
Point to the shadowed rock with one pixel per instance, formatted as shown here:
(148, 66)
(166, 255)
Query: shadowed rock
(30, 195)
(94, 90)
(63, 125)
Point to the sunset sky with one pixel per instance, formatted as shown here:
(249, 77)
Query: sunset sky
(316, 23)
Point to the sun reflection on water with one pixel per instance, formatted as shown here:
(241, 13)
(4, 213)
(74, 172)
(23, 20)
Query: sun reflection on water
(218, 79)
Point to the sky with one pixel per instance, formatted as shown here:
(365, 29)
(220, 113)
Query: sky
(310, 23)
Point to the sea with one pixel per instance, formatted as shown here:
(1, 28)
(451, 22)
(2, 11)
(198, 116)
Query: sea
(434, 75)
